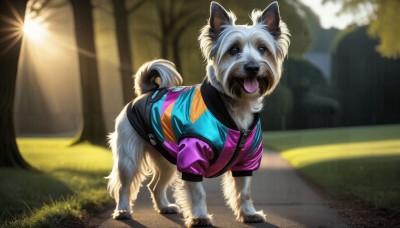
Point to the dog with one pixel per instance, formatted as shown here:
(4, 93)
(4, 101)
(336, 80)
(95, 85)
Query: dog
(205, 130)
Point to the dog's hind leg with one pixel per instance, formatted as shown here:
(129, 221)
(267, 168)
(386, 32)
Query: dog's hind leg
(163, 173)
(237, 193)
(128, 171)
(124, 202)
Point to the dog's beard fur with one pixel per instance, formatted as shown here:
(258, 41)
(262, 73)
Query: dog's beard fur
(226, 70)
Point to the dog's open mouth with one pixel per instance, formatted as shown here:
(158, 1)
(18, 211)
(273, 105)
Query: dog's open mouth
(250, 85)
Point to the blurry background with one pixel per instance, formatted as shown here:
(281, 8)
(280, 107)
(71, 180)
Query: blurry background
(67, 67)
(337, 73)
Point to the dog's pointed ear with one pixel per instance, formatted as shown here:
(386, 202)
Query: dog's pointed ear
(218, 18)
(271, 18)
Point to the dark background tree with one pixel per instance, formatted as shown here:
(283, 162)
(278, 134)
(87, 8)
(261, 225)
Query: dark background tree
(366, 84)
(121, 14)
(93, 127)
(11, 21)
(301, 100)
(174, 17)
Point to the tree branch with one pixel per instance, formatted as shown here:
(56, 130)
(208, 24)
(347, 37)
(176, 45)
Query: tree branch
(135, 7)
(181, 27)
(153, 35)
(97, 5)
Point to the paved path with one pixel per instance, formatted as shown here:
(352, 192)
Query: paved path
(277, 189)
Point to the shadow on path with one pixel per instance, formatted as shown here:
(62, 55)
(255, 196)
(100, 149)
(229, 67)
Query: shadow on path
(277, 189)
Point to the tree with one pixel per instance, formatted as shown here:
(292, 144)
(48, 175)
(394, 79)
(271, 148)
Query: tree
(121, 11)
(383, 17)
(93, 127)
(366, 84)
(11, 22)
(174, 18)
(124, 45)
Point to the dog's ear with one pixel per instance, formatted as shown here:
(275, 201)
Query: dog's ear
(271, 18)
(218, 18)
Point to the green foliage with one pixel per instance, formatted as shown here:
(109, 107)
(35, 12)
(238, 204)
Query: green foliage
(278, 108)
(302, 75)
(70, 183)
(383, 17)
(341, 35)
(281, 100)
(385, 26)
(366, 84)
(301, 100)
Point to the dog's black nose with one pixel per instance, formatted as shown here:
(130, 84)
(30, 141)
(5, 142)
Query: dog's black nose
(251, 69)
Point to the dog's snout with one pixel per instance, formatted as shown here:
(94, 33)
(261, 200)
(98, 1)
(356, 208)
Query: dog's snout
(251, 69)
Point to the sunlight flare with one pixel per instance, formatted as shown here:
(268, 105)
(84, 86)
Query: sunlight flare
(34, 30)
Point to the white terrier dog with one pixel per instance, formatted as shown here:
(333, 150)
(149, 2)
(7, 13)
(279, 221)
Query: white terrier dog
(205, 130)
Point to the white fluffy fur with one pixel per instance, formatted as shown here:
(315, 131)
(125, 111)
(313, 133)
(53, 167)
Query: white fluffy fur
(129, 168)
(147, 76)
(237, 194)
(135, 159)
(191, 198)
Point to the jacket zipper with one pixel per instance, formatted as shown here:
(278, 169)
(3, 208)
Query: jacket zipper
(239, 147)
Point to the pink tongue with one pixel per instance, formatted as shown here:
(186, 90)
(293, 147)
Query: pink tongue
(250, 85)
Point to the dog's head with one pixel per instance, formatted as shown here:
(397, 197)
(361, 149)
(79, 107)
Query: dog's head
(244, 61)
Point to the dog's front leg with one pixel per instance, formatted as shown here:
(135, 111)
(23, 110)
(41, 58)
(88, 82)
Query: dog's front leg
(247, 212)
(198, 215)
(237, 194)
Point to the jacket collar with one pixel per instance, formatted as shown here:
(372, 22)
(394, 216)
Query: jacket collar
(214, 102)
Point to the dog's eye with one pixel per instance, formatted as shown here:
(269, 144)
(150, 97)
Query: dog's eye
(234, 50)
(262, 49)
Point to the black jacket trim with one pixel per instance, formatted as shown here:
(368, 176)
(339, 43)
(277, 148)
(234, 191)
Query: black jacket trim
(242, 173)
(192, 177)
(212, 99)
(139, 112)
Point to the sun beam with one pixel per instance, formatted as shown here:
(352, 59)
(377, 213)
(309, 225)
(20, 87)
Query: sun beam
(34, 30)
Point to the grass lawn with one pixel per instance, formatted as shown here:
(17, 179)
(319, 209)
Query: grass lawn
(69, 184)
(362, 162)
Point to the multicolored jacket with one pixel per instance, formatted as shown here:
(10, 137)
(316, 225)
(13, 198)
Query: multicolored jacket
(192, 128)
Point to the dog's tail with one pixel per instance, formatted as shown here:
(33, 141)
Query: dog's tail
(156, 74)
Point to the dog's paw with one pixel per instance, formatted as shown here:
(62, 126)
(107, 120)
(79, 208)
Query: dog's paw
(200, 222)
(171, 209)
(258, 217)
(121, 214)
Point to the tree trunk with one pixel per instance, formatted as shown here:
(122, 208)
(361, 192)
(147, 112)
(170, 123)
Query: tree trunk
(93, 127)
(163, 23)
(124, 49)
(177, 53)
(164, 45)
(9, 54)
